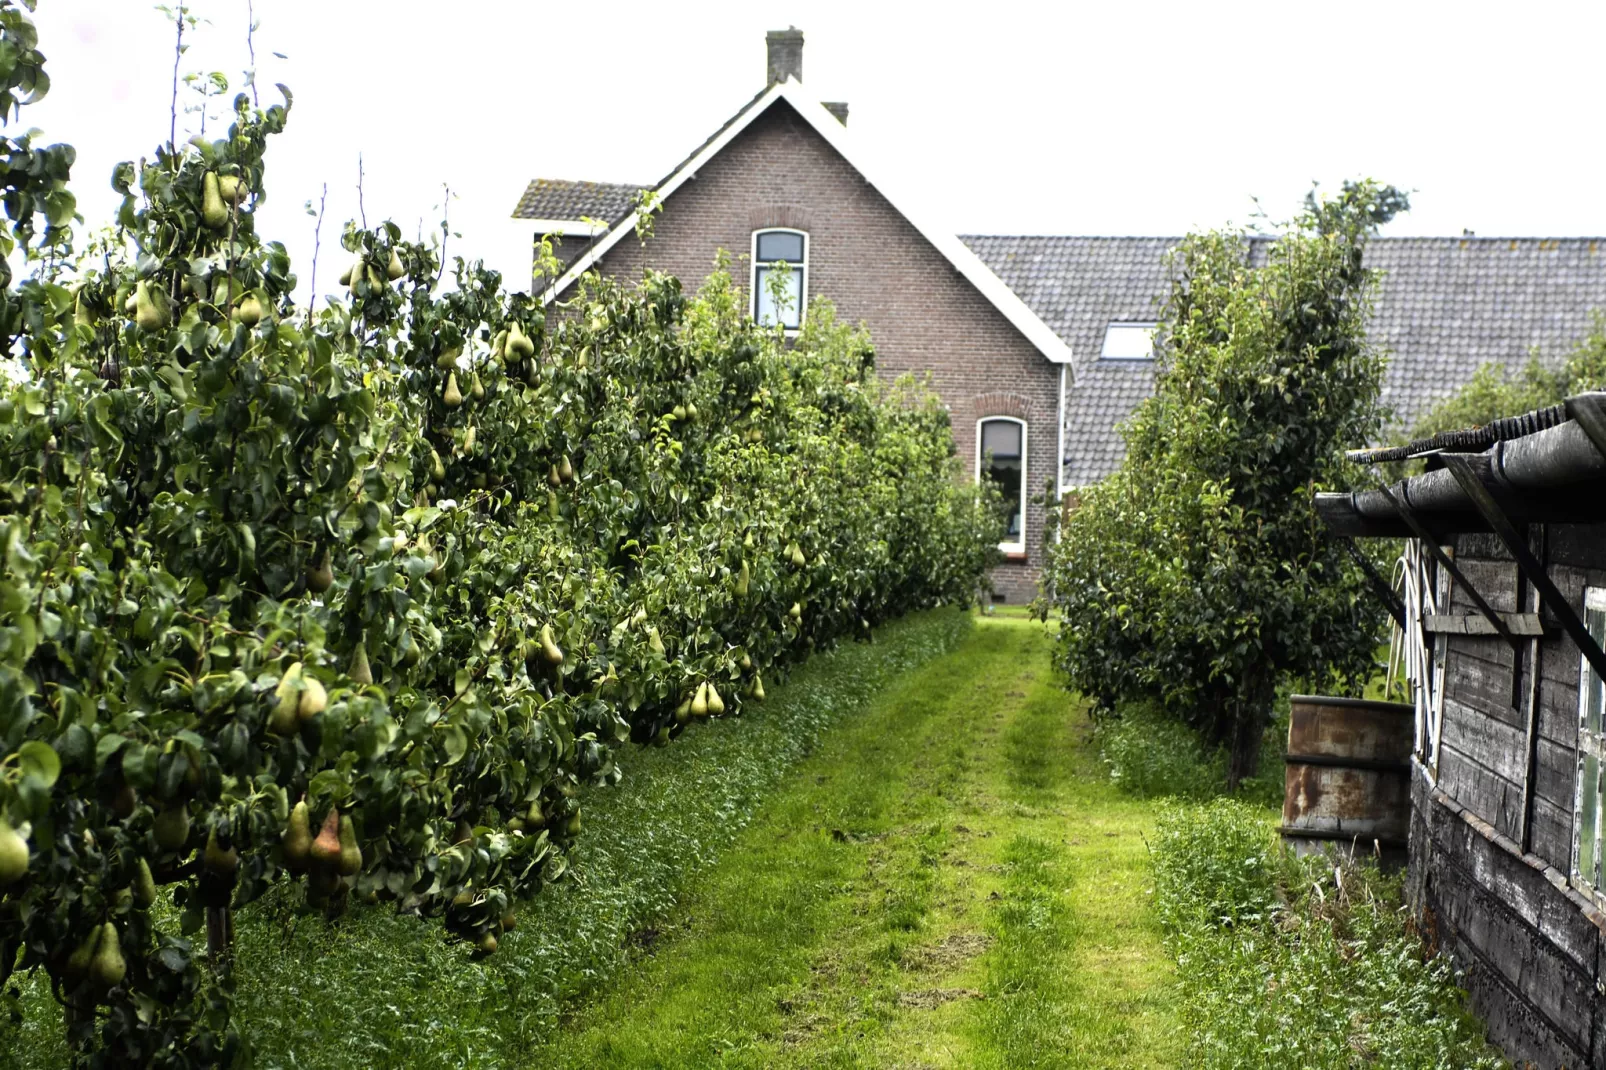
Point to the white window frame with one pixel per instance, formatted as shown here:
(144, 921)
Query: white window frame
(755, 264)
(1009, 547)
(1590, 744)
(1142, 324)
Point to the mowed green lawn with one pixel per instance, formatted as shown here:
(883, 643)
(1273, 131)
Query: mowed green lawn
(950, 881)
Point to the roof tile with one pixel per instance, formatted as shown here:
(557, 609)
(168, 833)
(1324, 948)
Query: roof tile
(556, 198)
(1445, 306)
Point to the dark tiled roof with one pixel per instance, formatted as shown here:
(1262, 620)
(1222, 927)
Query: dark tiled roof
(556, 198)
(1445, 306)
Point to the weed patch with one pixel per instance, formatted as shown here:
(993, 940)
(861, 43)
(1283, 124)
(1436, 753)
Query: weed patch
(1308, 962)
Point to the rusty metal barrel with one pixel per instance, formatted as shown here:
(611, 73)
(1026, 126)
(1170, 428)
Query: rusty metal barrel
(1348, 774)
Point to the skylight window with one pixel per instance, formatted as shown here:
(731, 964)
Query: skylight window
(1128, 341)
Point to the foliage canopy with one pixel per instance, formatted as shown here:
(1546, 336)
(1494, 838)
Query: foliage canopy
(401, 572)
(1199, 574)
(1493, 393)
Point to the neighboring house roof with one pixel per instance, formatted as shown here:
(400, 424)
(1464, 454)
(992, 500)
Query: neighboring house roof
(561, 200)
(830, 128)
(1445, 307)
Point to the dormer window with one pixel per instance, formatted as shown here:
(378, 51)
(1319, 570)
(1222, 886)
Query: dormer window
(780, 269)
(1128, 341)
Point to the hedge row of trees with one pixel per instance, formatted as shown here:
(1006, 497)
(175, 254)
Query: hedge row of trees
(359, 597)
(1198, 574)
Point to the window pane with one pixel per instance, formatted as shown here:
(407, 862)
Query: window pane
(790, 312)
(776, 245)
(1008, 477)
(1128, 341)
(1002, 463)
(1001, 438)
(1588, 819)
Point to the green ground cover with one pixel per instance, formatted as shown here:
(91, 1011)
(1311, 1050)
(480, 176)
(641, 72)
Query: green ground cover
(376, 990)
(951, 881)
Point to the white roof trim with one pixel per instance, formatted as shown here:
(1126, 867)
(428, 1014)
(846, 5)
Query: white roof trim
(564, 227)
(1052, 346)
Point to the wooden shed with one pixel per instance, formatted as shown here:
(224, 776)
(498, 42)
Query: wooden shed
(1501, 598)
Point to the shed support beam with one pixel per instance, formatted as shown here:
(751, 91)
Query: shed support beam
(1461, 467)
(1446, 562)
(1380, 586)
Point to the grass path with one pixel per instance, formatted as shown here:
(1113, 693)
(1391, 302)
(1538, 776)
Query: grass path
(950, 881)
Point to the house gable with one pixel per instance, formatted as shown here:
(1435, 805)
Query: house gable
(788, 94)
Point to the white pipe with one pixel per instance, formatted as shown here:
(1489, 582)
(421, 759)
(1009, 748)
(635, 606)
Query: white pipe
(1059, 453)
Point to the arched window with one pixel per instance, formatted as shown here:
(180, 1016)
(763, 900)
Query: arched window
(780, 265)
(1001, 457)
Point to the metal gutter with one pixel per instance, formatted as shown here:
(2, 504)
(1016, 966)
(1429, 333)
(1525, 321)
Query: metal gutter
(1553, 475)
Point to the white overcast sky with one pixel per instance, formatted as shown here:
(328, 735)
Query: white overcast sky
(1001, 117)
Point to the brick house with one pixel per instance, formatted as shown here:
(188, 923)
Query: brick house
(1038, 345)
(777, 184)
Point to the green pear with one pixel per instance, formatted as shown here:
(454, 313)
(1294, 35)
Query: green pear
(232, 189)
(451, 396)
(699, 702)
(249, 310)
(394, 269)
(150, 308)
(549, 648)
(314, 699)
(322, 577)
(144, 885)
(350, 854)
(77, 964)
(360, 671)
(107, 967)
(216, 859)
(172, 827)
(283, 719)
(214, 213)
(743, 578)
(13, 854)
(518, 342)
(298, 838)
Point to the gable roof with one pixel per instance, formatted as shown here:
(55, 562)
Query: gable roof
(1445, 306)
(557, 199)
(826, 124)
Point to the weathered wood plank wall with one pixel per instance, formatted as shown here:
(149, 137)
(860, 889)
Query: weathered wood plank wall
(1491, 842)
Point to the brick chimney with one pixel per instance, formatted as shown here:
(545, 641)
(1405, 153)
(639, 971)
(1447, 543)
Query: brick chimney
(785, 54)
(839, 108)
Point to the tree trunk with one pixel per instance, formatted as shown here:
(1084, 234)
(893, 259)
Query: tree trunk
(1251, 714)
(220, 938)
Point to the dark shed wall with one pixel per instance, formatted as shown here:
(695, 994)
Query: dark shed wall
(923, 315)
(1491, 842)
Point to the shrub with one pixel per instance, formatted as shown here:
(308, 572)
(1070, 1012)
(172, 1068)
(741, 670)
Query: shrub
(1198, 573)
(1151, 754)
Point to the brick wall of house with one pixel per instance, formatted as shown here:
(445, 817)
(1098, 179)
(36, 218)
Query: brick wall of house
(922, 313)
